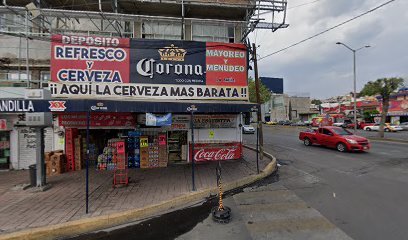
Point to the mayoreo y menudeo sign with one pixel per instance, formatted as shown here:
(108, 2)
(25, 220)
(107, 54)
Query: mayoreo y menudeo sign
(138, 68)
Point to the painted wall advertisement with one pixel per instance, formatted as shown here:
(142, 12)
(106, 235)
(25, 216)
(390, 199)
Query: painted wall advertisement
(97, 119)
(216, 151)
(86, 66)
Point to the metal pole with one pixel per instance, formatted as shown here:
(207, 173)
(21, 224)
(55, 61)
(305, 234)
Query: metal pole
(258, 98)
(192, 151)
(257, 148)
(354, 91)
(88, 116)
(27, 69)
(182, 19)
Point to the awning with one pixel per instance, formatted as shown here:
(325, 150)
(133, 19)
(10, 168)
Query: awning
(84, 105)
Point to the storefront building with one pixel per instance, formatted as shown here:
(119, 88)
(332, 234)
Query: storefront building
(154, 93)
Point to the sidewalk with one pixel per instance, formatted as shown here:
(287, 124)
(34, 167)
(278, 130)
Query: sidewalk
(65, 200)
(268, 212)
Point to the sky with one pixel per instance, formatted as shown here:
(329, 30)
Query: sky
(319, 67)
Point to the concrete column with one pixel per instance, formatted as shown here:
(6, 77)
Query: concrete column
(188, 30)
(35, 76)
(237, 34)
(137, 29)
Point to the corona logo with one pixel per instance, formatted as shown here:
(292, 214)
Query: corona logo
(172, 53)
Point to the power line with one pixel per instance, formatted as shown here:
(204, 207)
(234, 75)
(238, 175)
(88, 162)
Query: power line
(327, 30)
(300, 5)
(303, 4)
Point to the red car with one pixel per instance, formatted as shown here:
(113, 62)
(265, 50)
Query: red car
(335, 137)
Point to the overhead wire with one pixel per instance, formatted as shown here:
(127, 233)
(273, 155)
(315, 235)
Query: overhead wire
(327, 30)
(296, 6)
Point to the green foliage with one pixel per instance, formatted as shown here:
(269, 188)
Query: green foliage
(264, 91)
(316, 101)
(383, 87)
(367, 115)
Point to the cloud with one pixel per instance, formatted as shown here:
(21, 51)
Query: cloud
(321, 67)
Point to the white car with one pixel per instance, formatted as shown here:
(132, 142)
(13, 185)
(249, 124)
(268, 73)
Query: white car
(248, 129)
(338, 124)
(387, 128)
(404, 125)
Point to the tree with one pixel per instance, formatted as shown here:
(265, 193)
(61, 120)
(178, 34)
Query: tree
(368, 115)
(316, 102)
(264, 91)
(383, 87)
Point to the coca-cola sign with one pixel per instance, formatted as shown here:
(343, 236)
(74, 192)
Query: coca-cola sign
(216, 151)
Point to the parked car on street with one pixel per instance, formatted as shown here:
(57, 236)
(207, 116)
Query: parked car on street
(362, 125)
(300, 123)
(387, 128)
(335, 137)
(248, 129)
(286, 123)
(308, 123)
(338, 124)
(271, 123)
(404, 126)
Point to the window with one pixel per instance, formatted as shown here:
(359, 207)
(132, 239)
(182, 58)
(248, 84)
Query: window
(342, 132)
(213, 33)
(161, 30)
(327, 132)
(45, 76)
(13, 23)
(14, 75)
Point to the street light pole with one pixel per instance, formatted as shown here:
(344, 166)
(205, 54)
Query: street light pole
(354, 80)
(354, 91)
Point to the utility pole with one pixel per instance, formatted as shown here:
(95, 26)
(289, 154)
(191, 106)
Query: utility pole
(258, 100)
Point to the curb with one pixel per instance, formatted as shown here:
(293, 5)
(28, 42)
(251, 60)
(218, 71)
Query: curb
(387, 140)
(81, 226)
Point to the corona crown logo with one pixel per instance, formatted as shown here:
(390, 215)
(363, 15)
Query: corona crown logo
(172, 53)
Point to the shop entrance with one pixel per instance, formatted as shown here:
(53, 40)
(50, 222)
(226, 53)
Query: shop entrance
(177, 146)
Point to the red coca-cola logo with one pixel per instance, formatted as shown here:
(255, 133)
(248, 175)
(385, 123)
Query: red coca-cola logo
(215, 154)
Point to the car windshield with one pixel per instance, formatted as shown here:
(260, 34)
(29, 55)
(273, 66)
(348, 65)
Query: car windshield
(341, 131)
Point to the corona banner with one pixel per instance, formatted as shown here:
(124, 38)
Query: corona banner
(92, 67)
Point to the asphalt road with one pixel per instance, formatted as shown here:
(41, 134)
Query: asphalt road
(364, 194)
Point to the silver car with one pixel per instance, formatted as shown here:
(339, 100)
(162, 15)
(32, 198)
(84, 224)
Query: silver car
(248, 129)
(404, 126)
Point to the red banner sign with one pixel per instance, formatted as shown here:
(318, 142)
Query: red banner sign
(216, 151)
(84, 59)
(226, 64)
(97, 119)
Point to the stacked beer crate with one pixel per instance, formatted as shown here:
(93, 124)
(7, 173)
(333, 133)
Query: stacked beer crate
(162, 151)
(70, 135)
(144, 152)
(153, 154)
(55, 163)
(79, 163)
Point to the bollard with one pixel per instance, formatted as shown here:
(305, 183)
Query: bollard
(220, 213)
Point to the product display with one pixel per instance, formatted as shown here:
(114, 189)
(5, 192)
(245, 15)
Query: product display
(133, 149)
(70, 135)
(55, 163)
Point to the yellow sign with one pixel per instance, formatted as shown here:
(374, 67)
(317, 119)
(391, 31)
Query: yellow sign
(211, 134)
(144, 142)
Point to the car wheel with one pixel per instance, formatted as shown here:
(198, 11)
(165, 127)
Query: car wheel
(341, 147)
(387, 129)
(368, 129)
(307, 142)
